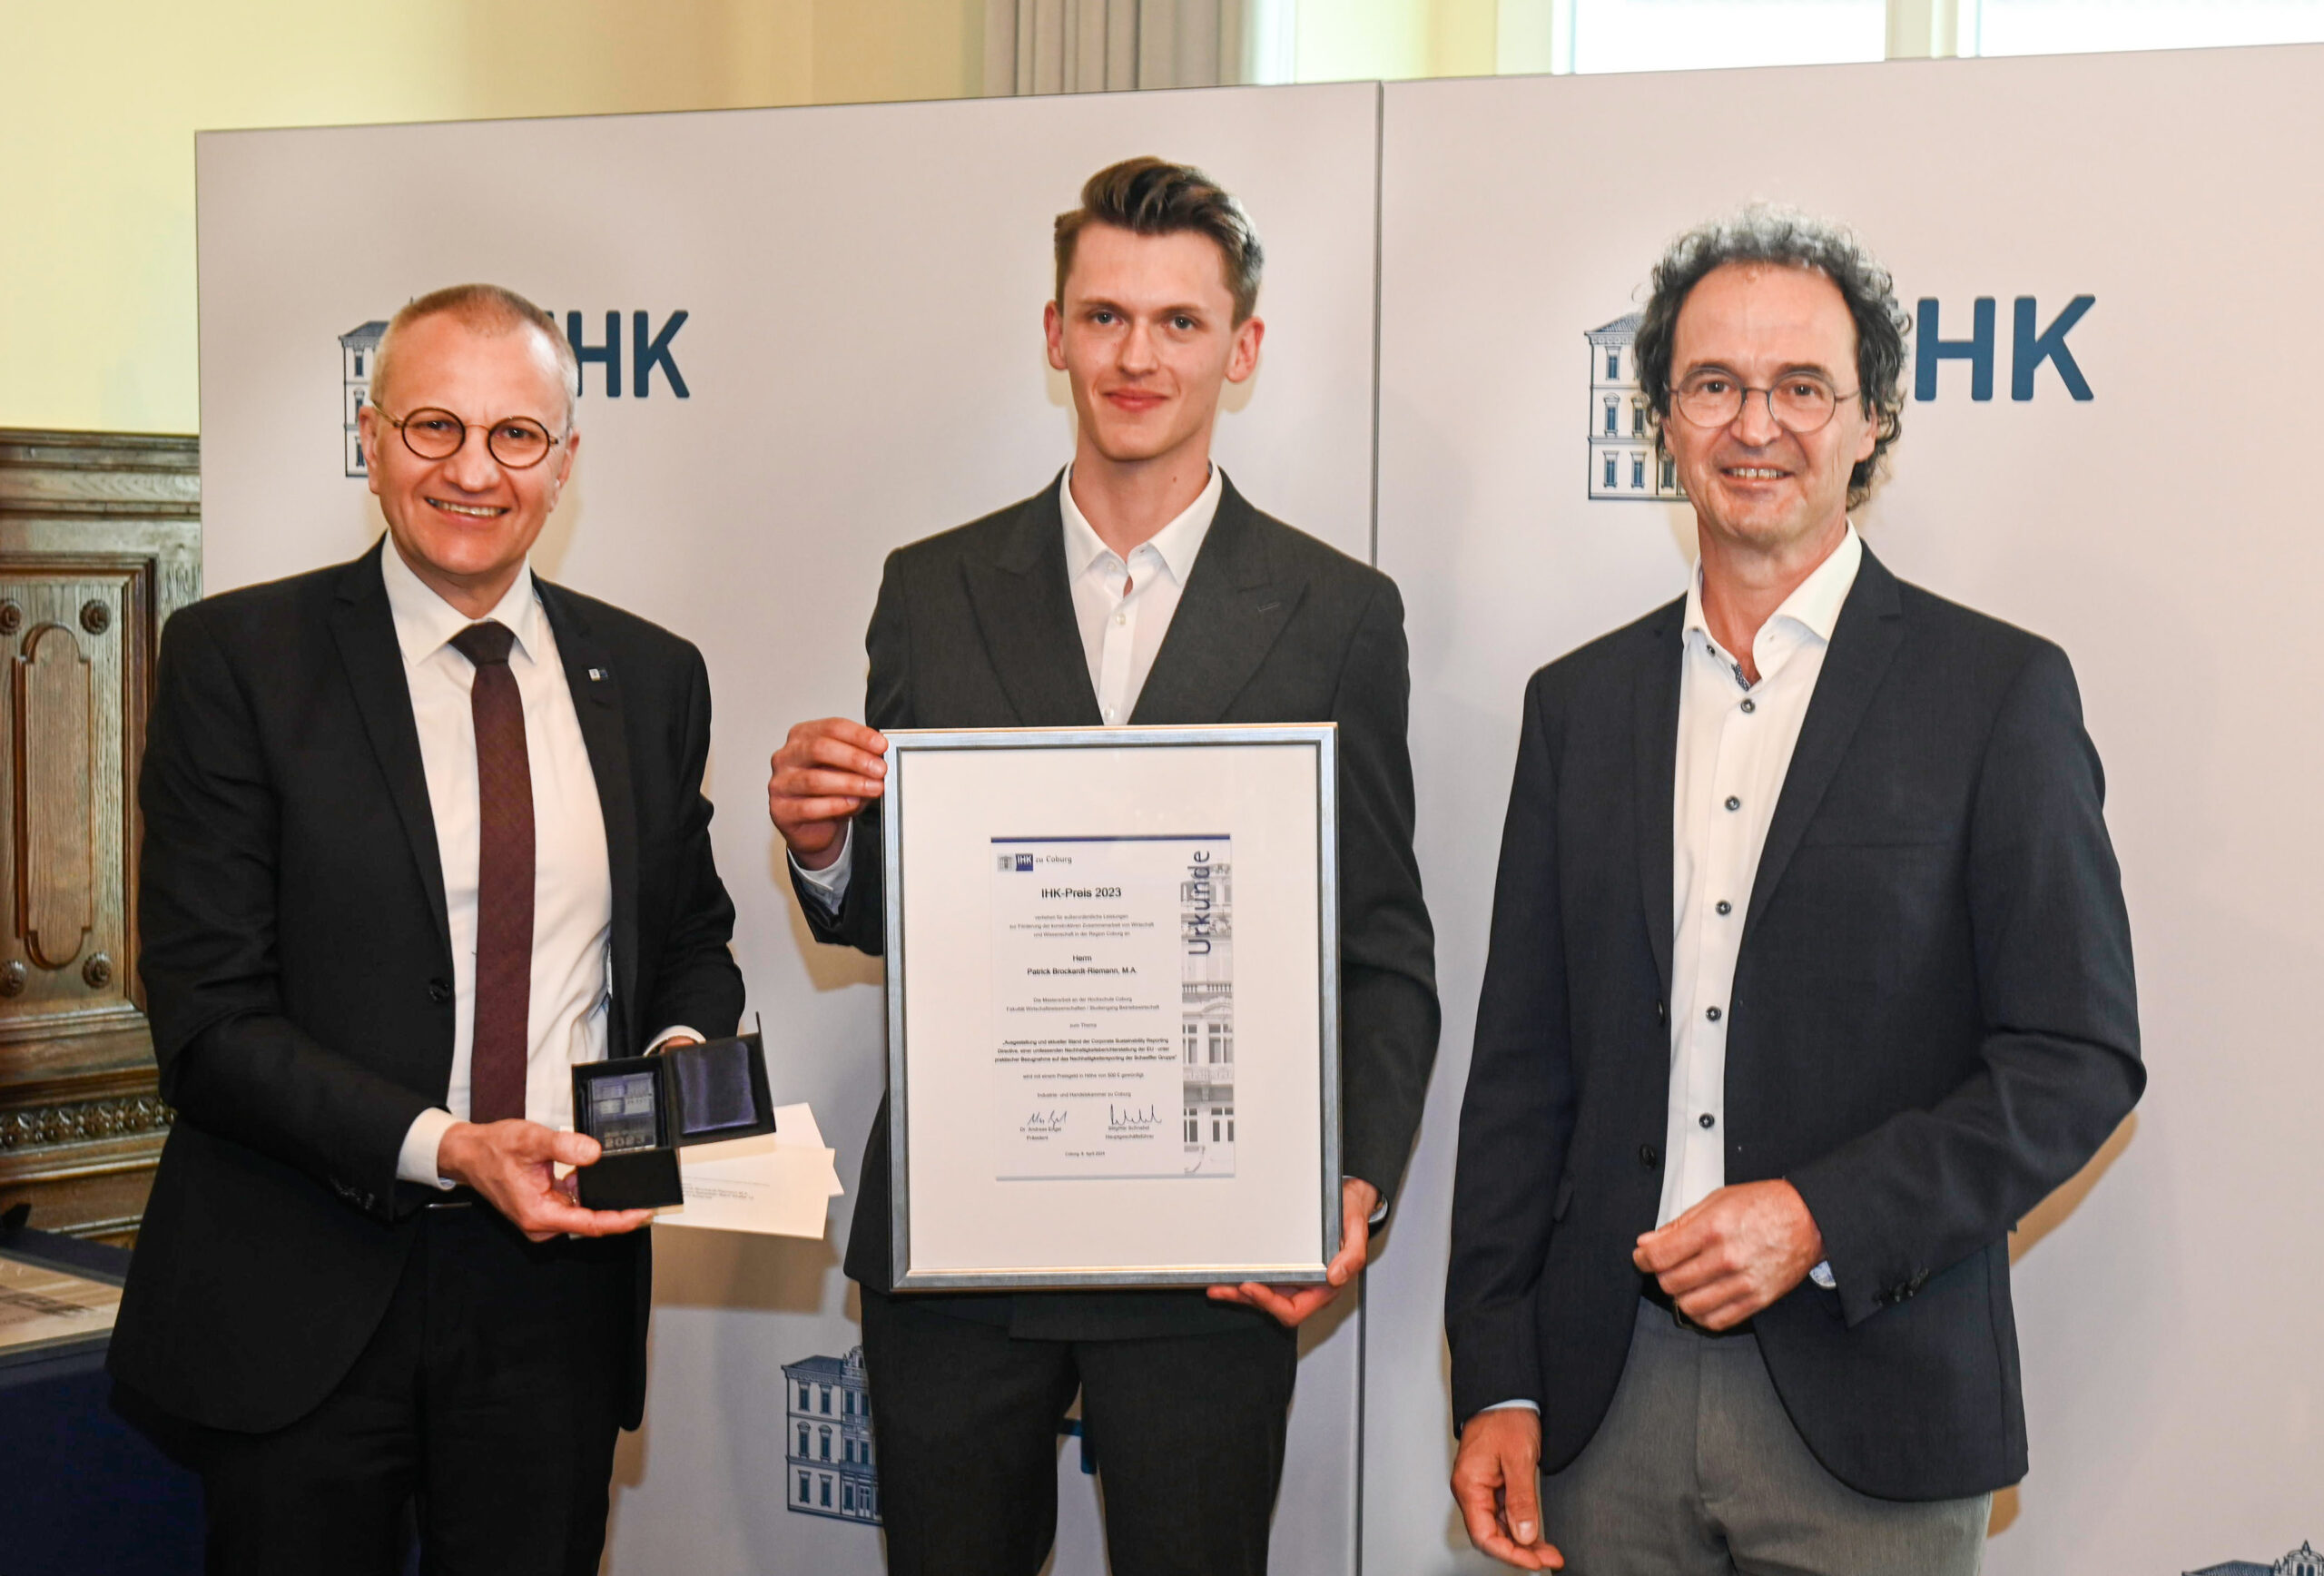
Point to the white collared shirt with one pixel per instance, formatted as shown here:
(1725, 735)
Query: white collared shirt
(1124, 610)
(572, 879)
(1735, 746)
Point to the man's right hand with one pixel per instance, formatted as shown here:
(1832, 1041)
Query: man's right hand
(821, 777)
(1494, 1482)
(513, 1165)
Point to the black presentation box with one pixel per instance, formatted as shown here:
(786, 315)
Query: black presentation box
(642, 1109)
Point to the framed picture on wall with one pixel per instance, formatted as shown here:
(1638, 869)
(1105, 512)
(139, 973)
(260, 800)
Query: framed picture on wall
(1113, 1006)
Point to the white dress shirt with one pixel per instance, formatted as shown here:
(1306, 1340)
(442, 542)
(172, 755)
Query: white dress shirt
(572, 879)
(1735, 744)
(1124, 610)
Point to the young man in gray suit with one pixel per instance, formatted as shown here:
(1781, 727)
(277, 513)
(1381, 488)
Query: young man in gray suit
(1137, 587)
(1810, 975)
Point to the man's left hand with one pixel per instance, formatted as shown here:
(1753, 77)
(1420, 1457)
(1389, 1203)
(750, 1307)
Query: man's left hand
(1294, 1304)
(1734, 1253)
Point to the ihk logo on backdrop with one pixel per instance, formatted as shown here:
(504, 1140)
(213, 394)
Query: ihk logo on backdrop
(1624, 464)
(649, 352)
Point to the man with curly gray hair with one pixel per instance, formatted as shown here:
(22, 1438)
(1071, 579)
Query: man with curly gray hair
(1770, 237)
(1810, 975)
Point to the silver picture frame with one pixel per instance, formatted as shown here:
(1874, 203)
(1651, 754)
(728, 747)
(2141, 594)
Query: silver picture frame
(934, 1163)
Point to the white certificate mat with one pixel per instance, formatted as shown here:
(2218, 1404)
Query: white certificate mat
(1113, 1006)
(778, 1184)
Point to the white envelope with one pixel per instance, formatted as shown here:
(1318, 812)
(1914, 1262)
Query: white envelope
(780, 1183)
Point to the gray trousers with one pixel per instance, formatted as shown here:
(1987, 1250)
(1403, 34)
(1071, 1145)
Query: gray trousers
(1697, 1469)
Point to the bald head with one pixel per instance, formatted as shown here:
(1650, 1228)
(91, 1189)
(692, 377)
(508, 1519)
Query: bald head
(488, 309)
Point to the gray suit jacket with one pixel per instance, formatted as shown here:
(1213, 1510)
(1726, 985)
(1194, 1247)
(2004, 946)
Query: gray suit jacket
(975, 629)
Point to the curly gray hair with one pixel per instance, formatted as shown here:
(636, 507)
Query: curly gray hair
(1785, 237)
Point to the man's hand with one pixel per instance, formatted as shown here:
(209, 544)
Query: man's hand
(512, 1165)
(1734, 1253)
(1495, 1484)
(821, 777)
(1293, 1305)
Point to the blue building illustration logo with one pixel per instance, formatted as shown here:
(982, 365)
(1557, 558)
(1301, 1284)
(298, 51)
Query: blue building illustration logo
(2302, 1561)
(358, 348)
(1624, 462)
(828, 1467)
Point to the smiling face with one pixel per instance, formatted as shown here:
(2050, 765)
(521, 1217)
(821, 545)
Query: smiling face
(1147, 334)
(1755, 484)
(465, 523)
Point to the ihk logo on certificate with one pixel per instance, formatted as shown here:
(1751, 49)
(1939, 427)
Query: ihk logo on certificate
(1113, 992)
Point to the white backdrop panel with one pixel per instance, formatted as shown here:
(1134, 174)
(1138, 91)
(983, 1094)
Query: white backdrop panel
(863, 366)
(2170, 1314)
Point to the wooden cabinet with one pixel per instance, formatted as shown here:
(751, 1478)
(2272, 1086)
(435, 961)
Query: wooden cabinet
(99, 541)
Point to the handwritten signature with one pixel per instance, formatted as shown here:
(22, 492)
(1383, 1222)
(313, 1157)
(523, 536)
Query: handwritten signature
(1045, 1121)
(1118, 1120)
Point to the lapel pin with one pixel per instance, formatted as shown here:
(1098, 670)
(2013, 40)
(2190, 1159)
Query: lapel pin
(596, 675)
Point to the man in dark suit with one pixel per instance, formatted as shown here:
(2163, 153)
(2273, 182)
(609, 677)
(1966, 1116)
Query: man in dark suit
(1810, 974)
(1137, 587)
(421, 832)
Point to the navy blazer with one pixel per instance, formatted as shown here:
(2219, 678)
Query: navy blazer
(1933, 1025)
(297, 959)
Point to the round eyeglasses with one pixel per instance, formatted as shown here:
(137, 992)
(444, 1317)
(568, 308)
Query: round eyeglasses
(1801, 403)
(519, 443)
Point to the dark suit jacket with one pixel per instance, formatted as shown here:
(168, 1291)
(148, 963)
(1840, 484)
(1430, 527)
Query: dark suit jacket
(975, 629)
(1933, 1025)
(298, 965)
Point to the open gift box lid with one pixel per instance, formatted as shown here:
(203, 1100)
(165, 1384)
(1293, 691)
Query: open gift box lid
(642, 1109)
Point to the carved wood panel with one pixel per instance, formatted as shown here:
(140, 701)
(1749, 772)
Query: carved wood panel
(100, 539)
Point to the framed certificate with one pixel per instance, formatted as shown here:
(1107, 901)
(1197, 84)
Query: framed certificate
(1113, 1006)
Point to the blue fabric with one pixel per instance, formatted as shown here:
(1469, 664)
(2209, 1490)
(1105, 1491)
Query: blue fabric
(90, 1494)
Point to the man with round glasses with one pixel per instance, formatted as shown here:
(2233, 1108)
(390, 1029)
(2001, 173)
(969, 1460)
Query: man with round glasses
(422, 831)
(1810, 974)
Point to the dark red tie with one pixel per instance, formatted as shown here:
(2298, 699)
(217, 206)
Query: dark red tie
(504, 877)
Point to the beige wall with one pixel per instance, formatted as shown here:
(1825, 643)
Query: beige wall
(99, 99)
(1356, 40)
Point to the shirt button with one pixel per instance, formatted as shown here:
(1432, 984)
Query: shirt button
(1708, 1120)
(1121, 618)
(1711, 1013)
(1725, 907)
(1733, 802)
(1750, 706)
